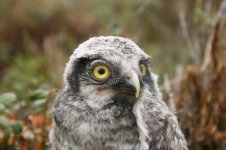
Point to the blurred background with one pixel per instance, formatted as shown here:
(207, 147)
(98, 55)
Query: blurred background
(186, 39)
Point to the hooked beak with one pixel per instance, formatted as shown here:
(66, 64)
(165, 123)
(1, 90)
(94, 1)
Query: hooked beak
(134, 81)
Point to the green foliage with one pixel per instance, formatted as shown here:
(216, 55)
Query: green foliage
(24, 73)
(10, 127)
(35, 102)
(17, 127)
(7, 103)
(38, 94)
(14, 115)
(4, 122)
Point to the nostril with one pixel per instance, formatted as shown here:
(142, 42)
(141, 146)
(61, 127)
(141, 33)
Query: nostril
(126, 77)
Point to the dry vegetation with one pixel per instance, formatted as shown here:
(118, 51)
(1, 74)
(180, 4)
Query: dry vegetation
(200, 95)
(188, 36)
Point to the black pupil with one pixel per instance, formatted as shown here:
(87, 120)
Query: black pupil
(141, 69)
(101, 71)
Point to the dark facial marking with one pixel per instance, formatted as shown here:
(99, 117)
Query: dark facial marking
(79, 67)
(147, 79)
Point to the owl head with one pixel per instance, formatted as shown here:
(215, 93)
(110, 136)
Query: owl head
(104, 69)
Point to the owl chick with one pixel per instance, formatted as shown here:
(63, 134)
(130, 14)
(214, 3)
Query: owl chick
(111, 101)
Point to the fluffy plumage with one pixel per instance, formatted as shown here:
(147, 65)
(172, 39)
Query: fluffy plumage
(123, 112)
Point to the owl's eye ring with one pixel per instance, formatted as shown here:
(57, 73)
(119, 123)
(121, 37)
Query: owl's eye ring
(143, 69)
(101, 72)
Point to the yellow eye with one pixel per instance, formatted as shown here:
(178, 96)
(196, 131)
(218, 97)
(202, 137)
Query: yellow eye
(143, 69)
(101, 72)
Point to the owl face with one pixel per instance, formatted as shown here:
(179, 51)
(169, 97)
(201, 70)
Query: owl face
(105, 69)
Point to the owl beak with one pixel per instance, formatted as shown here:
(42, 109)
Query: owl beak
(134, 81)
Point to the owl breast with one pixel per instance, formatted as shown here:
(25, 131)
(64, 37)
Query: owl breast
(104, 134)
(111, 127)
